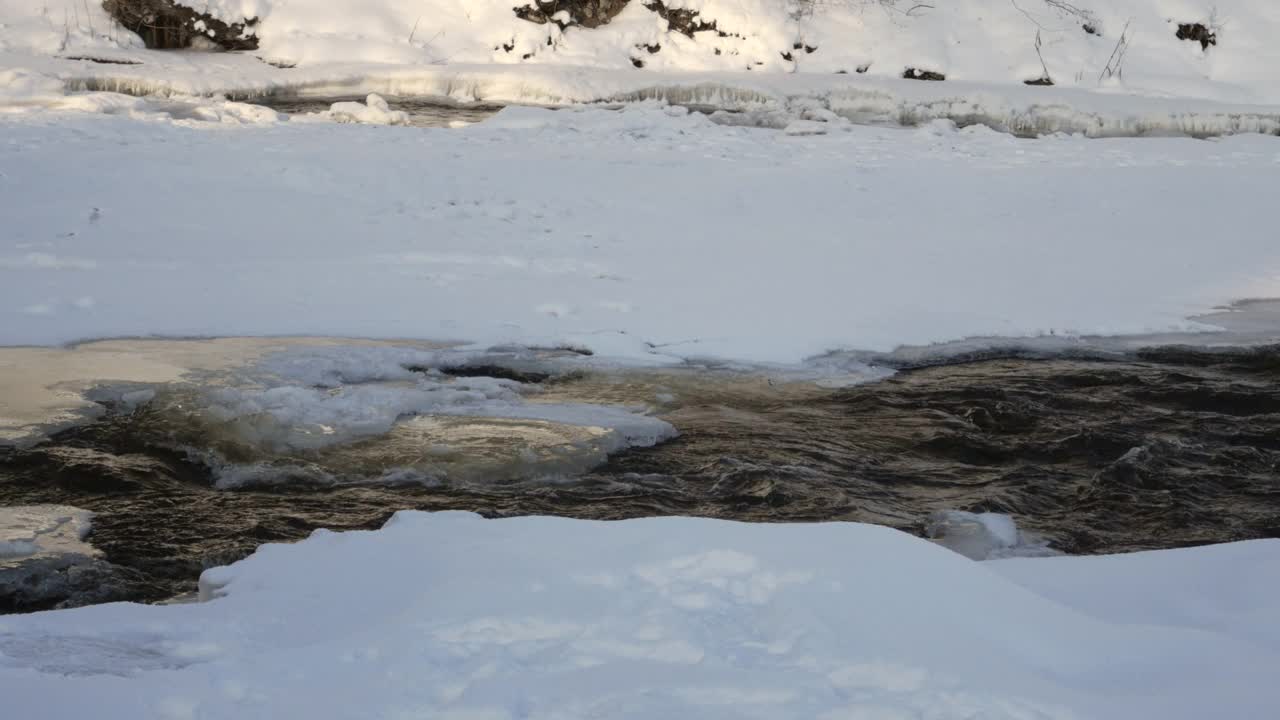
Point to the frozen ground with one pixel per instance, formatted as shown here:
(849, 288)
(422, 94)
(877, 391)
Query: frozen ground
(449, 615)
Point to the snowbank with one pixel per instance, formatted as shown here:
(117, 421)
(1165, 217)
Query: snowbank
(24, 92)
(849, 56)
(1127, 45)
(755, 99)
(451, 615)
(844, 58)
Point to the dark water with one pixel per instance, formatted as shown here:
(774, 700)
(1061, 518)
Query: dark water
(422, 112)
(1164, 449)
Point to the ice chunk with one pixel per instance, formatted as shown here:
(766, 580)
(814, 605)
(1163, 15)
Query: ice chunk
(984, 536)
(338, 414)
(52, 529)
(374, 111)
(806, 127)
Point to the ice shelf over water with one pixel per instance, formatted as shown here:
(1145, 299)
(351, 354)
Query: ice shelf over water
(451, 615)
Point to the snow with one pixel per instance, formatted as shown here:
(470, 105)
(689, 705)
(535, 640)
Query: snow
(978, 40)
(454, 49)
(61, 27)
(647, 233)
(448, 614)
(800, 229)
(373, 111)
(767, 99)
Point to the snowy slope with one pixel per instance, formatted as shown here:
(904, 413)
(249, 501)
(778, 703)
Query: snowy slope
(982, 40)
(61, 27)
(449, 615)
(1004, 42)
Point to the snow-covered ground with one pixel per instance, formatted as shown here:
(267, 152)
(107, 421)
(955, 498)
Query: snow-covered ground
(644, 233)
(449, 615)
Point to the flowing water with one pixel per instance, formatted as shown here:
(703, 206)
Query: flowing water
(1153, 449)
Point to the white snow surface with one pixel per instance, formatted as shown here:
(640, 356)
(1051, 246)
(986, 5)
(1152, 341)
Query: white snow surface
(373, 111)
(647, 233)
(450, 615)
(1005, 42)
(456, 49)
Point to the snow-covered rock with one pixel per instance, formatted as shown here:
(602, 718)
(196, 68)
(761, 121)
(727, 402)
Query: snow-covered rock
(373, 111)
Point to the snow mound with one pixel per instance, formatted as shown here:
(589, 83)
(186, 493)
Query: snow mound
(373, 111)
(451, 615)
